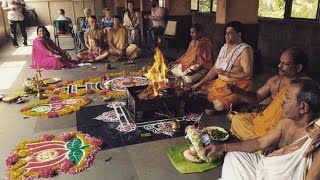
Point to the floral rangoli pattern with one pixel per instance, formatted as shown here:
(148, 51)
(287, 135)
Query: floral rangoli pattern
(55, 106)
(50, 155)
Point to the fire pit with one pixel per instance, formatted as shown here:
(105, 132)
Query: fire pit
(157, 100)
(165, 105)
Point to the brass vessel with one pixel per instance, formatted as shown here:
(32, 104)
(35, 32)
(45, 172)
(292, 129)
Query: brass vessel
(175, 125)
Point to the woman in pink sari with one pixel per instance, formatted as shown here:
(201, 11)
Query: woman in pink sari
(46, 54)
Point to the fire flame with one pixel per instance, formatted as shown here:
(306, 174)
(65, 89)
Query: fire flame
(157, 77)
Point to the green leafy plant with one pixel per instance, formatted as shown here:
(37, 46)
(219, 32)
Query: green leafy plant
(271, 8)
(304, 9)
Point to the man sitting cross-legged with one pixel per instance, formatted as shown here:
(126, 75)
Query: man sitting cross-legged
(297, 156)
(94, 38)
(250, 125)
(197, 61)
(118, 42)
(233, 65)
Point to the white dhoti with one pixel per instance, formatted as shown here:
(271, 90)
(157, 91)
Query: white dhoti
(134, 36)
(193, 78)
(251, 166)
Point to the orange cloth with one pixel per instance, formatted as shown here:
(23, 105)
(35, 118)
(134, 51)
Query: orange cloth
(200, 54)
(251, 125)
(220, 92)
(270, 116)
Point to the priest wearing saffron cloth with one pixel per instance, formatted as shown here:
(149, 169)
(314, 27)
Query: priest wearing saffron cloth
(293, 62)
(297, 156)
(197, 61)
(234, 65)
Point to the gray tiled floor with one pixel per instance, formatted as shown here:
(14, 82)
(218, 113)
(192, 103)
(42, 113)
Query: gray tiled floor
(143, 161)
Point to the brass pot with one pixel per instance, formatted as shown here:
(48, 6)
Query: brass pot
(175, 125)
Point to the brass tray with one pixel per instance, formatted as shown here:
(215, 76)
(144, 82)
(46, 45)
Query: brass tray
(51, 80)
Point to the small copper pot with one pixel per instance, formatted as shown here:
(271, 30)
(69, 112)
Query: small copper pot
(175, 125)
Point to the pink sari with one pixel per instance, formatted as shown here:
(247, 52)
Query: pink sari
(41, 58)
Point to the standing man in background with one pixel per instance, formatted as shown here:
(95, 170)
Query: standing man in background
(157, 17)
(15, 16)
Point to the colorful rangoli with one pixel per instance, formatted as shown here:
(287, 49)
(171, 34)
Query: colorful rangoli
(55, 106)
(120, 84)
(112, 84)
(47, 156)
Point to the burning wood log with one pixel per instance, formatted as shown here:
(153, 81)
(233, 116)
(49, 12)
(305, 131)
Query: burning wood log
(146, 94)
(152, 90)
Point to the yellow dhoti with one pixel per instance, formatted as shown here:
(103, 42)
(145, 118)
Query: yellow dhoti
(120, 41)
(251, 125)
(218, 91)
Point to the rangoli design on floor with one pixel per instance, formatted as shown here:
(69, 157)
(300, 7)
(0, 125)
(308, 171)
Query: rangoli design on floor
(51, 155)
(112, 84)
(109, 116)
(160, 128)
(126, 127)
(192, 117)
(55, 106)
(117, 115)
(116, 104)
(120, 84)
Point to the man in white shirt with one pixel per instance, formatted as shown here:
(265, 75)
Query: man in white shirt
(15, 16)
(157, 17)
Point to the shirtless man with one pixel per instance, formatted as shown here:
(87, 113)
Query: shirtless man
(234, 65)
(249, 125)
(297, 156)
